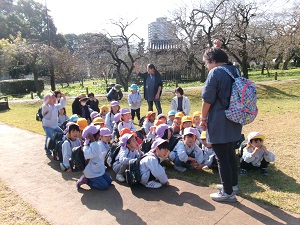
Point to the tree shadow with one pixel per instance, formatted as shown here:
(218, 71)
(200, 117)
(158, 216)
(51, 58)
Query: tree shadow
(111, 201)
(273, 92)
(170, 195)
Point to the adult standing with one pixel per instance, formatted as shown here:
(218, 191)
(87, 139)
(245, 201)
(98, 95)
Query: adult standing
(221, 132)
(180, 103)
(152, 86)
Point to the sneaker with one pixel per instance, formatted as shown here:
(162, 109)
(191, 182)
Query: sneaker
(263, 172)
(205, 168)
(223, 197)
(82, 180)
(180, 168)
(120, 178)
(153, 184)
(63, 167)
(235, 188)
(243, 172)
(48, 152)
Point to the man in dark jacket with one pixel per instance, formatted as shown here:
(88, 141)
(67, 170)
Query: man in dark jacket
(115, 94)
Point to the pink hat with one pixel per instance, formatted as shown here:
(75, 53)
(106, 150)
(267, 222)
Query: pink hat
(160, 130)
(114, 103)
(125, 111)
(124, 139)
(47, 97)
(117, 117)
(94, 114)
(105, 132)
(189, 130)
(92, 129)
(157, 142)
(162, 115)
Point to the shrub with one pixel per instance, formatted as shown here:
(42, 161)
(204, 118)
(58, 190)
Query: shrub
(19, 86)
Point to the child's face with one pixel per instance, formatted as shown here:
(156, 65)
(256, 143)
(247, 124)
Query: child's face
(189, 139)
(256, 142)
(178, 120)
(206, 144)
(74, 134)
(172, 117)
(133, 145)
(197, 120)
(126, 117)
(61, 111)
(103, 112)
(105, 139)
(187, 124)
(115, 108)
(152, 118)
(162, 153)
(133, 91)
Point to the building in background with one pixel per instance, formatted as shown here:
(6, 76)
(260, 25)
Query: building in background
(161, 34)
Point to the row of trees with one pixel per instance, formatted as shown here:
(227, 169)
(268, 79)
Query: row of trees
(30, 42)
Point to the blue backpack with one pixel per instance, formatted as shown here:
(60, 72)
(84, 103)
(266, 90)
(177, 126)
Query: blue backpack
(242, 106)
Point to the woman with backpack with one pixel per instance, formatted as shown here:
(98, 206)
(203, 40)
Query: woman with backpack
(220, 131)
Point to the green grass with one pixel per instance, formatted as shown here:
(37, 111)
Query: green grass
(278, 103)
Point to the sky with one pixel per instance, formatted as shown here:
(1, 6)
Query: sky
(82, 16)
(73, 16)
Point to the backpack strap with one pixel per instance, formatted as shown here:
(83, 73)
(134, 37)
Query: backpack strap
(229, 73)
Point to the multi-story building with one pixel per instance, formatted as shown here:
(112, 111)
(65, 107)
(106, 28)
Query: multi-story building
(161, 34)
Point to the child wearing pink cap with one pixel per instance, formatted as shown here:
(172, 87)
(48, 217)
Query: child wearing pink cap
(109, 118)
(105, 137)
(129, 150)
(126, 121)
(94, 173)
(186, 153)
(153, 175)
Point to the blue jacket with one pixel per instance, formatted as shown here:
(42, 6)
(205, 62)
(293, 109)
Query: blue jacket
(158, 82)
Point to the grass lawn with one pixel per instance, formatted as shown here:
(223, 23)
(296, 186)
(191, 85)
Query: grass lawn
(278, 103)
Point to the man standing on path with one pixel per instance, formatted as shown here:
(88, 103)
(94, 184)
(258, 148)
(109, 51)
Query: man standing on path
(152, 86)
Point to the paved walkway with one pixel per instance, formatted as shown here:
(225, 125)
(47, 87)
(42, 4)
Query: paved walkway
(38, 180)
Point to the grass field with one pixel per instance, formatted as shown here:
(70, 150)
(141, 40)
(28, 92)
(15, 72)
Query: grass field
(278, 103)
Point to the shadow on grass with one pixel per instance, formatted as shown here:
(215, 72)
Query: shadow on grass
(273, 92)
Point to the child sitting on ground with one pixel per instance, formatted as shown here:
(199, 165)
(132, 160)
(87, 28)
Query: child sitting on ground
(105, 137)
(71, 142)
(126, 120)
(109, 118)
(171, 117)
(153, 174)
(94, 115)
(187, 154)
(177, 122)
(103, 111)
(129, 150)
(94, 173)
(255, 155)
(163, 118)
(149, 121)
(135, 101)
(98, 121)
(210, 160)
(196, 121)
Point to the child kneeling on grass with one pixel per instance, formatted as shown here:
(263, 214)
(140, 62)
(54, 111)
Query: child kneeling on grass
(153, 175)
(94, 173)
(129, 150)
(71, 142)
(186, 153)
(255, 155)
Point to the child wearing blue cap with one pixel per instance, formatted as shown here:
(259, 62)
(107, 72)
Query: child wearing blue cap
(135, 101)
(171, 117)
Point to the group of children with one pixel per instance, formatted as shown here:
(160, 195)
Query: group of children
(175, 137)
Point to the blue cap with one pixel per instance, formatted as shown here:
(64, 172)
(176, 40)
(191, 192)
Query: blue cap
(73, 118)
(134, 87)
(171, 113)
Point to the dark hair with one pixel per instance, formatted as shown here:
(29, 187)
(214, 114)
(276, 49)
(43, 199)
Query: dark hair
(165, 136)
(91, 94)
(151, 66)
(96, 134)
(74, 127)
(64, 110)
(163, 145)
(179, 90)
(56, 92)
(215, 54)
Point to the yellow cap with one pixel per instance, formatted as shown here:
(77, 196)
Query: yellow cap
(203, 135)
(104, 108)
(197, 113)
(82, 123)
(179, 114)
(98, 121)
(186, 119)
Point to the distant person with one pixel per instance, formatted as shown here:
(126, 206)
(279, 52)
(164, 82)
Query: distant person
(115, 94)
(93, 102)
(153, 86)
(50, 116)
(62, 118)
(180, 103)
(80, 107)
(135, 102)
(57, 95)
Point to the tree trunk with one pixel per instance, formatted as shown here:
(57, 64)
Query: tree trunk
(263, 68)
(287, 60)
(202, 77)
(52, 77)
(277, 61)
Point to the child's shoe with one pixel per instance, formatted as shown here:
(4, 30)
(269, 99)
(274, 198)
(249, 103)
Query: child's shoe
(180, 168)
(153, 184)
(82, 180)
(48, 152)
(223, 197)
(243, 172)
(120, 177)
(263, 171)
(63, 167)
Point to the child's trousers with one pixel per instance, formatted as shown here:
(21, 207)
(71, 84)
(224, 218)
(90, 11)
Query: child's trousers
(101, 183)
(249, 166)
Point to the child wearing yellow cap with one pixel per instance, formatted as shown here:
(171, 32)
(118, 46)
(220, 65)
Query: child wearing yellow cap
(255, 155)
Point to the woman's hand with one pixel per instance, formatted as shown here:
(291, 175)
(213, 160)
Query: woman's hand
(203, 125)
